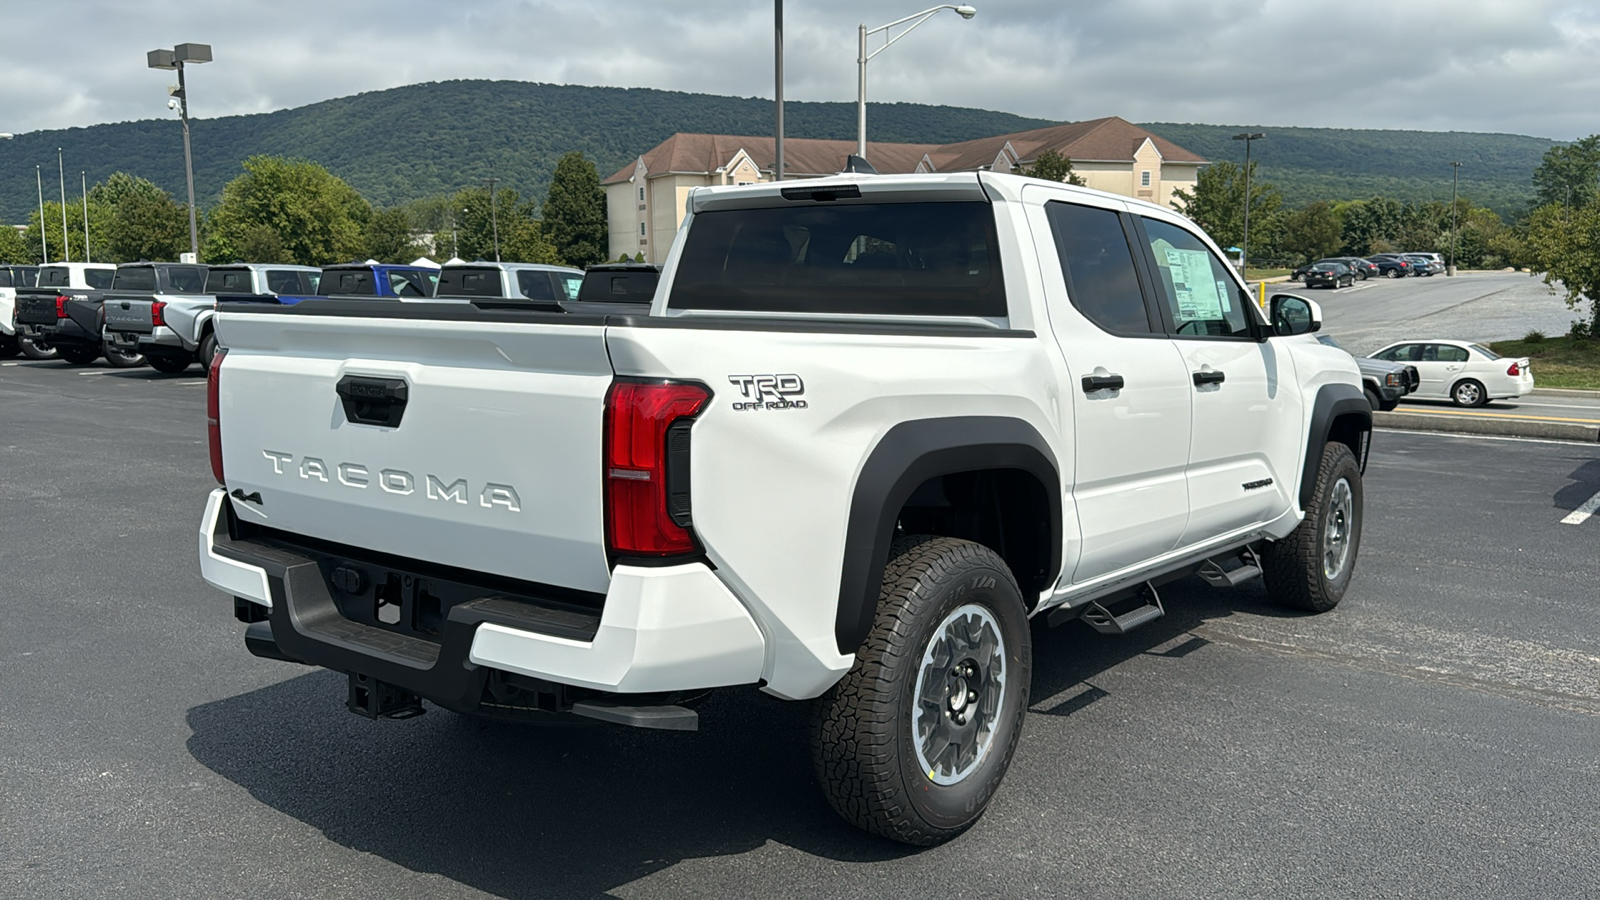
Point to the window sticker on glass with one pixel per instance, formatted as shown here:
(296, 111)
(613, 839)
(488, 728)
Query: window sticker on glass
(1198, 297)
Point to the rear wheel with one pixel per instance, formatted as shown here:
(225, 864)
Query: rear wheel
(122, 359)
(1311, 568)
(912, 743)
(78, 356)
(170, 365)
(1469, 393)
(1394, 273)
(208, 349)
(34, 351)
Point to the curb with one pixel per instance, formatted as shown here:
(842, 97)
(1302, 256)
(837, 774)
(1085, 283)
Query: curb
(1567, 392)
(1561, 431)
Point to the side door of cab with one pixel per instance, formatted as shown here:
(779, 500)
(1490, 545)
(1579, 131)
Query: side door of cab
(1244, 445)
(1128, 384)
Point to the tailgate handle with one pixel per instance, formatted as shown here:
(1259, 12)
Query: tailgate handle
(373, 401)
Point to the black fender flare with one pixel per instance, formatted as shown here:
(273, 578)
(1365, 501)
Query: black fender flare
(908, 454)
(1333, 402)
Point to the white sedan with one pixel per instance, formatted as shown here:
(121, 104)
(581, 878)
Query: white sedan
(1467, 373)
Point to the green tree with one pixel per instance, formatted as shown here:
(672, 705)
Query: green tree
(1313, 231)
(142, 220)
(1569, 175)
(390, 236)
(68, 247)
(1051, 165)
(522, 237)
(14, 247)
(575, 212)
(316, 217)
(1217, 205)
(1565, 247)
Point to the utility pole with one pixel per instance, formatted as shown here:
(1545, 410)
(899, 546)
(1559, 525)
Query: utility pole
(84, 177)
(175, 59)
(494, 218)
(66, 244)
(1244, 246)
(44, 242)
(1455, 183)
(777, 55)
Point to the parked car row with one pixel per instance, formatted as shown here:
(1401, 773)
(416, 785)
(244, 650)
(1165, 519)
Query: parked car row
(161, 313)
(1343, 271)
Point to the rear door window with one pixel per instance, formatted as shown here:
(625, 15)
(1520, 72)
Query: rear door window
(133, 278)
(619, 285)
(229, 281)
(463, 281)
(924, 259)
(100, 279)
(570, 284)
(187, 279)
(535, 285)
(410, 284)
(284, 281)
(358, 282)
(1102, 279)
(1198, 289)
(1443, 353)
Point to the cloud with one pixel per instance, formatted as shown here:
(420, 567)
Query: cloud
(1490, 65)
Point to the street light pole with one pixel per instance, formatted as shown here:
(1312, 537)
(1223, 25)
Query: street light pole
(175, 59)
(863, 57)
(1455, 183)
(84, 177)
(777, 91)
(61, 172)
(494, 218)
(1244, 246)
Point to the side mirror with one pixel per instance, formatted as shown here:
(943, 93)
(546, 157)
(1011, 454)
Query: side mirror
(1294, 315)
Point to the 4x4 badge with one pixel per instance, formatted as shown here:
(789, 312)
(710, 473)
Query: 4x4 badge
(769, 392)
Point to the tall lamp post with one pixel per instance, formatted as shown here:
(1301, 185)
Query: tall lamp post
(175, 59)
(777, 90)
(965, 12)
(44, 242)
(1244, 246)
(1455, 184)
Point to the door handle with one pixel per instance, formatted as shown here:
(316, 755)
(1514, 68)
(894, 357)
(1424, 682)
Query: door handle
(1209, 377)
(1092, 383)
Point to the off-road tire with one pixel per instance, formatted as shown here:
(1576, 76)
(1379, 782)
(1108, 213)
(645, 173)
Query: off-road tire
(208, 349)
(169, 365)
(122, 359)
(862, 729)
(34, 351)
(78, 356)
(1293, 567)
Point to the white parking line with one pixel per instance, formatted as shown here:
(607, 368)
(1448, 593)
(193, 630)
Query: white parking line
(1582, 513)
(9, 364)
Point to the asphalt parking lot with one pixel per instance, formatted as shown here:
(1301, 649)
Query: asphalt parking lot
(1435, 736)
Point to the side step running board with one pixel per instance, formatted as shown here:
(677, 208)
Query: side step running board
(1249, 566)
(667, 718)
(1104, 621)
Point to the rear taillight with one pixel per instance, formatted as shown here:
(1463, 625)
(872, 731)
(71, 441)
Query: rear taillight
(158, 313)
(647, 466)
(213, 413)
(61, 306)
(1514, 370)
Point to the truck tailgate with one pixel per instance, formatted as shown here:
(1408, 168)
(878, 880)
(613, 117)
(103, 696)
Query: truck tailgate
(128, 314)
(489, 458)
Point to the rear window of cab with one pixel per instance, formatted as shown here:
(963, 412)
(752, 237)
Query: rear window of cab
(920, 259)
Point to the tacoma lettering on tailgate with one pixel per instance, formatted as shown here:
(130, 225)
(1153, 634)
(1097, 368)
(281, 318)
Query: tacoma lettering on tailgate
(393, 481)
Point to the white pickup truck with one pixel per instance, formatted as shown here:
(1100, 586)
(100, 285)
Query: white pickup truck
(173, 327)
(11, 278)
(869, 426)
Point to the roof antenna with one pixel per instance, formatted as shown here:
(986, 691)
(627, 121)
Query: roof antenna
(856, 164)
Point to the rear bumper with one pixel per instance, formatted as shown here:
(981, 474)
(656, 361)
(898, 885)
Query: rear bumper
(666, 629)
(64, 333)
(162, 339)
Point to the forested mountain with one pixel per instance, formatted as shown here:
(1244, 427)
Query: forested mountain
(428, 139)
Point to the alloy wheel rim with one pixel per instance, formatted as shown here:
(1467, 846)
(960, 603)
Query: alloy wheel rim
(959, 693)
(1467, 394)
(1336, 531)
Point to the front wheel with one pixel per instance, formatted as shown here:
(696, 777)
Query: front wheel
(79, 356)
(31, 350)
(122, 359)
(1311, 567)
(913, 741)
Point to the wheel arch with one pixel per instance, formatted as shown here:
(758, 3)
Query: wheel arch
(1340, 413)
(920, 452)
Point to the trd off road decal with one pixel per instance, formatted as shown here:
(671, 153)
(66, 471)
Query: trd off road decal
(769, 392)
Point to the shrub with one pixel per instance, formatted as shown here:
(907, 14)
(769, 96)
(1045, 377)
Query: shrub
(1534, 337)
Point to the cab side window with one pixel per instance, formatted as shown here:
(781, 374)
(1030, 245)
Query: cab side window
(1102, 280)
(535, 285)
(1197, 288)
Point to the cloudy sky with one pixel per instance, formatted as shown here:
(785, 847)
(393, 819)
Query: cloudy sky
(1523, 66)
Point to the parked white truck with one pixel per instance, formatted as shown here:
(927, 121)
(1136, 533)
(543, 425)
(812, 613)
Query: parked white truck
(173, 328)
(11, 278)
(868, 427)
